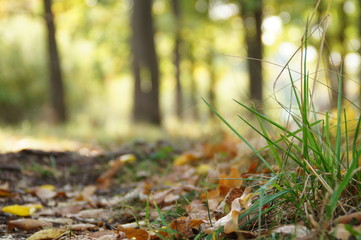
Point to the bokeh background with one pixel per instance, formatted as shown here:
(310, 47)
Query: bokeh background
(104, 71)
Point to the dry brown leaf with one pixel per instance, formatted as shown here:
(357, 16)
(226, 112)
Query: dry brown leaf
(28, 224)
(340, 231)
(83, 227)
(132, 233)
(6, 193)
(72, 209)
(187, 158)
(354, 218)
(228, 145)
(234, 181)
(100, 213)
(107, 235)
(48, 234)
(182, 226)
(58, 220)
(195, 223)
(197, 210)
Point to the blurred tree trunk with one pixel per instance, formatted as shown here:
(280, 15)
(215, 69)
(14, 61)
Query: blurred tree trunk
(252, 15)
(212, 76)
(338, 67)
(56, 81)
(145, 65)
(177, 58)
(193, 82)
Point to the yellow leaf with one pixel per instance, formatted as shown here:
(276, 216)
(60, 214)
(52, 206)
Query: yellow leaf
(51, 233)
(127, 158)
(21, 210)
(48, 187)
(185, 158)
(203, 169)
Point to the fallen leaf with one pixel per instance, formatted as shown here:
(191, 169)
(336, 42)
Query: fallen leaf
(6, 193)
(182, 227)
(230, 221)
(58, 220)
(99, 213)
(83, 227)
(186, 158)
(21, 210)
(354, 218)
(48, 186)
(195, 223)
(48, 234)
(203, 169)
(107, 235)
(298, 231)
(233, 180)
(132, 233)
(45, 193)
(197, 210)
(27, 224)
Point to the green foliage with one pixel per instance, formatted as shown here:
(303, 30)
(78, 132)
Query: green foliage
(22, 79)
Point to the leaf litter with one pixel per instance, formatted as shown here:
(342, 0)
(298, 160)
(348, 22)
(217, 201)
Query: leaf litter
(208, 192)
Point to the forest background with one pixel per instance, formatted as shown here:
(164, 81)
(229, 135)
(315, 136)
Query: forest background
(91, 69)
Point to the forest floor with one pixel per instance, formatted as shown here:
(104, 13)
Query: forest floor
(143, 190)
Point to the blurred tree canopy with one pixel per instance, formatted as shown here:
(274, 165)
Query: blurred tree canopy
(215, 49)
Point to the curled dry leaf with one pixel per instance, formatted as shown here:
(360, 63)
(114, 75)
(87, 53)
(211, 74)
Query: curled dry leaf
(28, 224)
(230, 221)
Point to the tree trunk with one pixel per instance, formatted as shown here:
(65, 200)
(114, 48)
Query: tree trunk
(253, 34)
(339, 68)
(177, 58)
(145, 65)
(193, 83)
(56, 82)
(212, 75)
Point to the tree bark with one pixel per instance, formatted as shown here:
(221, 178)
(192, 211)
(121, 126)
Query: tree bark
(193, 83)
(212, 75)
(339, 68)
(56, 82)
(177, 58)
(145, 65)
(253, 34)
